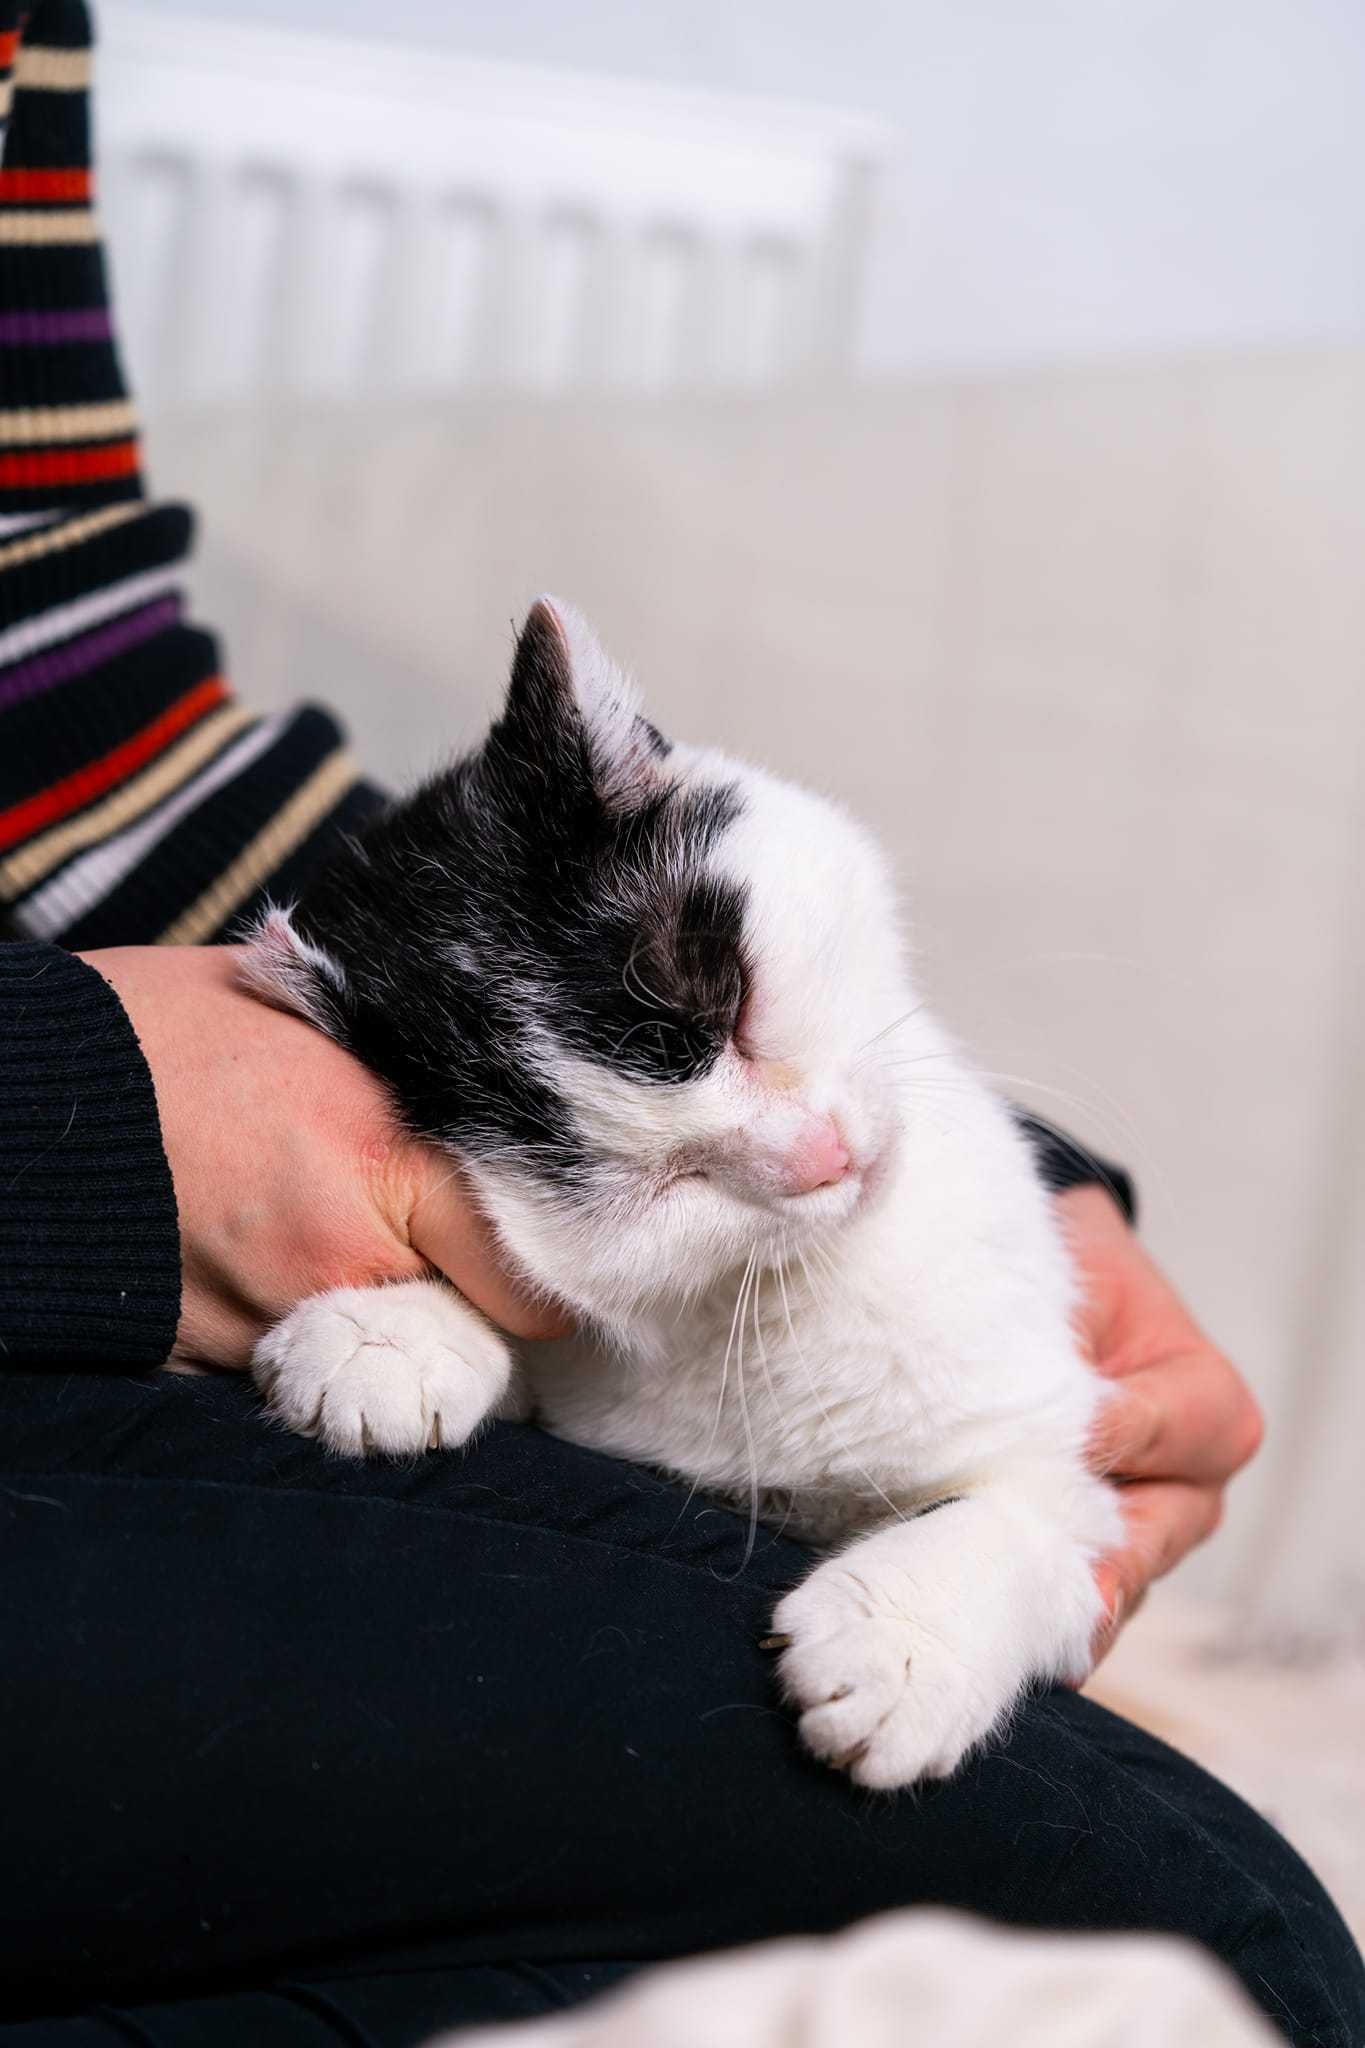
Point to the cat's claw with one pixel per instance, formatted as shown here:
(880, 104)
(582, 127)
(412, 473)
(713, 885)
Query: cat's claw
(383, 1371)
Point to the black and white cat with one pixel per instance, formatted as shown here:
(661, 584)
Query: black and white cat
(657, 1003)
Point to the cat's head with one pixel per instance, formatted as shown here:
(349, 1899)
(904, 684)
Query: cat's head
(639, 987)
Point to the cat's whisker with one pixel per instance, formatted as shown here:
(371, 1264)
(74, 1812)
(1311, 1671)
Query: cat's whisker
(746, 1421)
(741, 1295)
(642, 992)
(826, 1260)
(644, 1024)
(881, 1059)
(1103, 1109)
(810, 1277)
(840, 1442)
(894, 1025)
(1100, 1105)
(758, 1338)
(736, 1328)
(889, 1056)
(456, 1173)
(928, 1095)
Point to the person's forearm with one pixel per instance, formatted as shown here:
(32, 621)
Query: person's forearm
(1063, 1162)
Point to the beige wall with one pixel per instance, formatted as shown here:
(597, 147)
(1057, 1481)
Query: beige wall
(1088, 649)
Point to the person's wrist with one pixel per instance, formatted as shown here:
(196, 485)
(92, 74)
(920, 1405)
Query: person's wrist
(1064, 1163)
(1094, 1207)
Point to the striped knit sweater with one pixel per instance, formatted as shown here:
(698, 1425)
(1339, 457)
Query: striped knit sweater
(139, 802)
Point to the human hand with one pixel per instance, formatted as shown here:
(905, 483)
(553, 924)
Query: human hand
(1180, 1420)
(290, 1173)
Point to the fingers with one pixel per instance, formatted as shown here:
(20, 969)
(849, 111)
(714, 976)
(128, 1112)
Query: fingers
(1118, 1611)
(1190, 1417)
(1177, 1419)
(447, 1227)
(1163, 1521)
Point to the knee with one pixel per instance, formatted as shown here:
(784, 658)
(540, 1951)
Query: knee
(1169, 1848)
(1292, 1951)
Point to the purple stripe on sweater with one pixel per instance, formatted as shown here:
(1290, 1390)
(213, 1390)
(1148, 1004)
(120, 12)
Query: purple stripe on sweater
(74, 657)
(34, 330)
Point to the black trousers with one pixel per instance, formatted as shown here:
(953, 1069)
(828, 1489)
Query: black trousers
(302, 1751)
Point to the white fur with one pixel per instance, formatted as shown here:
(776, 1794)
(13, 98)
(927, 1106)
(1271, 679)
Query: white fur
(609, 704)
(284, 967)
(394, 1369)
(842, 1358)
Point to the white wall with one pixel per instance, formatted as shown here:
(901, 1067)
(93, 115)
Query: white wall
(1081, 177)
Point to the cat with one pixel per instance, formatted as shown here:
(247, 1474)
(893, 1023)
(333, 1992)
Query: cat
(657, 1004)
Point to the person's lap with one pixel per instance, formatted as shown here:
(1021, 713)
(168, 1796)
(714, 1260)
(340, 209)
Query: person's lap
(377, 1747)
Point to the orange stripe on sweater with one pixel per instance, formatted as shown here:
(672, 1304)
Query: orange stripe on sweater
(9, 48)
(23, 819)
(68, 465)
(27, 184)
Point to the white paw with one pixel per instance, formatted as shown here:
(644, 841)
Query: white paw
(878, 1696)
(389, 1370)
(911, 1647)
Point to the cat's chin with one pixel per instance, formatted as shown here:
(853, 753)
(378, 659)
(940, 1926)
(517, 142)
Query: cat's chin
(825, 1208)
(814, 1211)
(822, 1215)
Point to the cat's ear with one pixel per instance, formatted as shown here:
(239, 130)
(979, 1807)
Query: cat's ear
(575, 713)
(285, 969)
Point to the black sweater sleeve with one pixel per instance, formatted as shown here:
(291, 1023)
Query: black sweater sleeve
(89, 1243)
(1065, 1163)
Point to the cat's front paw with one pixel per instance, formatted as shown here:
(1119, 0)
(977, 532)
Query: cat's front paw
(877, 1696)
(383, 1370)
(899, 1657)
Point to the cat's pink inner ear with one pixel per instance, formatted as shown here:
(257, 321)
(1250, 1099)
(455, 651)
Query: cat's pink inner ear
(592, 672)
(545, 612)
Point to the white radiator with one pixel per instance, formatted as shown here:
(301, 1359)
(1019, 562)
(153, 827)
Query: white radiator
(308, 215)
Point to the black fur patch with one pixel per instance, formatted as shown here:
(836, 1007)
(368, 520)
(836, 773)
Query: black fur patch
(509, 890)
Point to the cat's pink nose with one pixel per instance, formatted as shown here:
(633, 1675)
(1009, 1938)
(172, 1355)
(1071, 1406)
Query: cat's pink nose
(818, 1159)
